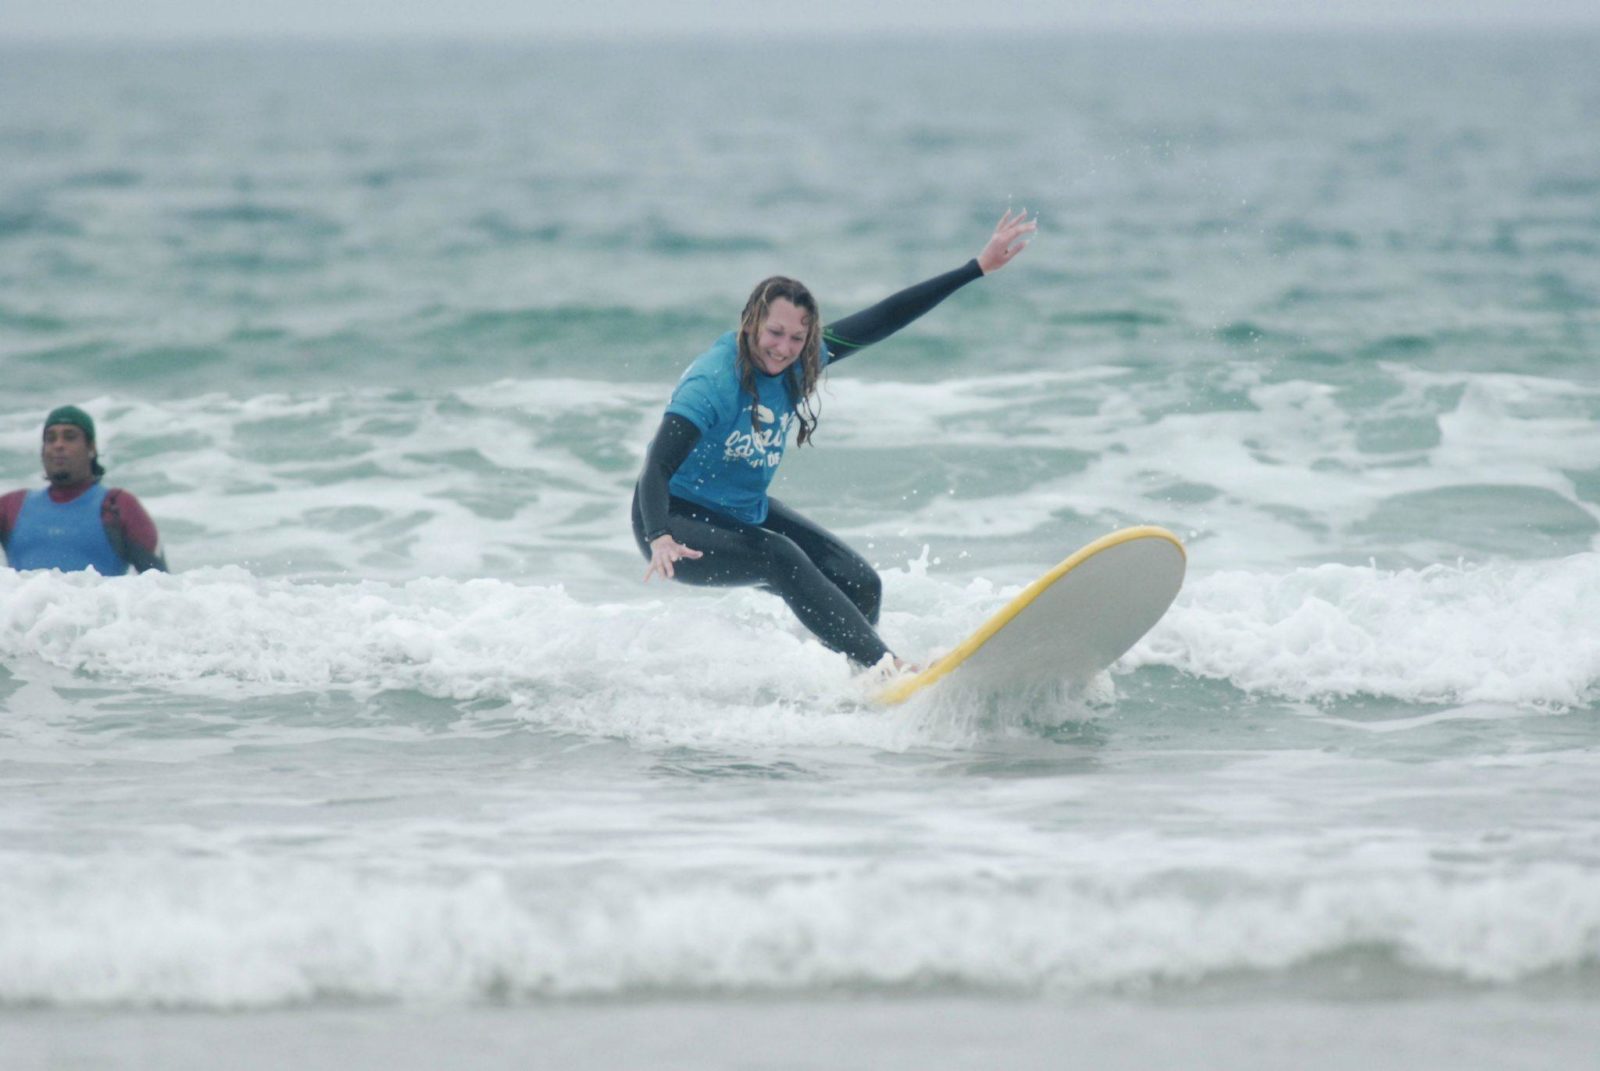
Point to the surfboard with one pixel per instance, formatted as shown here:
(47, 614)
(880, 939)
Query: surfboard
(1070, 624)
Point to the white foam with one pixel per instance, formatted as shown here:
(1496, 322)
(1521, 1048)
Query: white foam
(530, 479)
(684, 666)
(1503, 633)
(1291, 480)
(467, 484)
(259, 933)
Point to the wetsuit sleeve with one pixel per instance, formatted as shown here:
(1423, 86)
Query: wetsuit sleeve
(132, 532)
(862, 329)
(673, 440)
(10, 509)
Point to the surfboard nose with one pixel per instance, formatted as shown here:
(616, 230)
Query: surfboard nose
(1070, 624)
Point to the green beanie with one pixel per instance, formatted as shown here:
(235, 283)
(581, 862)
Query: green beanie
(71, 414)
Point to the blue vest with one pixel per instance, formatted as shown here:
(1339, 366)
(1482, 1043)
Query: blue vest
(69, 536)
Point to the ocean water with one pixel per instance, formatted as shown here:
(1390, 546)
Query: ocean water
(404, 756)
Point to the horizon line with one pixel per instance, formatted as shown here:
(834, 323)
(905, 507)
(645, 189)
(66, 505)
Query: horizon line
(640, 35)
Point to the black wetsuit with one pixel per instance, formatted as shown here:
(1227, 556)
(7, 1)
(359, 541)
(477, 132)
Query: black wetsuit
(832, 590)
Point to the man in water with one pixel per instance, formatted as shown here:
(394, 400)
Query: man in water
(76, 523)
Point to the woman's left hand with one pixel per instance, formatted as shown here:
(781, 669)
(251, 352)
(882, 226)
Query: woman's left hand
(1004, 243)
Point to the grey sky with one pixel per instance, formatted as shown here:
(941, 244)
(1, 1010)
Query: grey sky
(145, 19)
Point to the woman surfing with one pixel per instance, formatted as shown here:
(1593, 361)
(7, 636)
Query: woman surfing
(701, 512)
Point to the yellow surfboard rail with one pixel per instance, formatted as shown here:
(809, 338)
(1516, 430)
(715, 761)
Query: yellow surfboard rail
(901, 690)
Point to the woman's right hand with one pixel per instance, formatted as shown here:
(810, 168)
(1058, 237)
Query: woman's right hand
(664, 550)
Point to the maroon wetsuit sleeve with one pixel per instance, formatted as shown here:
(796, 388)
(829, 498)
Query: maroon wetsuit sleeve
(10, 509)
(131, 530)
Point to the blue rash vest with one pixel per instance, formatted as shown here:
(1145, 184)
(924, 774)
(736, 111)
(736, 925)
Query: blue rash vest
(731, 466)
(69, 536)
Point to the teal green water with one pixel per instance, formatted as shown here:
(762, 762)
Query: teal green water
(379, 334)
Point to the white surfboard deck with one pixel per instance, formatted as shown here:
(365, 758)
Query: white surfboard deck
(1071, 623)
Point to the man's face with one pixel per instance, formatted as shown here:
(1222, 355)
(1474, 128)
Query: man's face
(68, 455)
